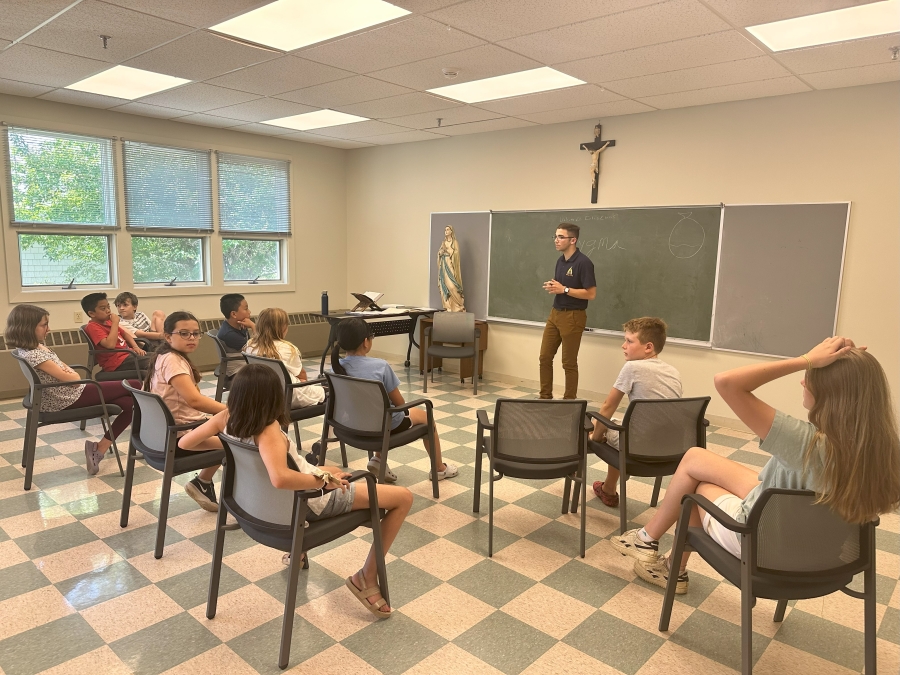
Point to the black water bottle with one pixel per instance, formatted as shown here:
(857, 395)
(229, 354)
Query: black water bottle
(324, 303)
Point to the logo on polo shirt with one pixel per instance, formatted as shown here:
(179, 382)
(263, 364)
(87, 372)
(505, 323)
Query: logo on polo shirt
(569, 273)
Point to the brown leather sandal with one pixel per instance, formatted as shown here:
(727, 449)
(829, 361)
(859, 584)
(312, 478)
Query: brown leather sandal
(363, 597)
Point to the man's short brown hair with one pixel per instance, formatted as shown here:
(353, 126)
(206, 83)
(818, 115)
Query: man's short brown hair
(571, 228)
(648, 329)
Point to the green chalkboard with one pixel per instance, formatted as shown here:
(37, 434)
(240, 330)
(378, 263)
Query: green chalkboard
(648, 262)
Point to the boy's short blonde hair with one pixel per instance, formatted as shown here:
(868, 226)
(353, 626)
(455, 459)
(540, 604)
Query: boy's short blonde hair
(648, 329)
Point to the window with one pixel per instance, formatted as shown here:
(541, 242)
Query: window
(156, 259)
(53, 259)
(251, 259)
(254, 194)
(60, 179)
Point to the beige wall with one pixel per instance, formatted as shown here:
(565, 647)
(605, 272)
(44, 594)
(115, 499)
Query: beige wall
(833, 145)
(316, 260)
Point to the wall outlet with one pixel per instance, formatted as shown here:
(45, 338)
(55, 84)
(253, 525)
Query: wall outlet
(79, 317)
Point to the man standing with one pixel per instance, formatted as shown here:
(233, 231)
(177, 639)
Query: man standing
(573, 284)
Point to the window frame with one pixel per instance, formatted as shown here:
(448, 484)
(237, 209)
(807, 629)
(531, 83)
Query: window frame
(121, 269)
(282, 260)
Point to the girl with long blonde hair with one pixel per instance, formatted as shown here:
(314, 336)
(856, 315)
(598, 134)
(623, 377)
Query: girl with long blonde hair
(269, 342)
(847, 451)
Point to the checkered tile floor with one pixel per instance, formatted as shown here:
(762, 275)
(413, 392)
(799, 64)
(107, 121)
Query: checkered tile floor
(78, 594)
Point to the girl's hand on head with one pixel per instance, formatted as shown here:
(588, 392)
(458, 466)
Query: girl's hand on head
(829, 350)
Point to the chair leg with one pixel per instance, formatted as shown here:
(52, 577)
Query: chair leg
(83, 425)
(126, 492)
(583, 508)
(212, 598)
(780, 609)
(870, 625)
(435, 490)
(163, 509)
(748, 600)
(623, 503)
(425, 374)
(491, 509)
(678, 547)
(378, 547)
(290, 600)
(107, 428)
(29, 447)
(567, 488)
(654, 498)
(476, 498)
(220, 387)
(297, 436)
(576, 496)
(343, 455)
(474, 372)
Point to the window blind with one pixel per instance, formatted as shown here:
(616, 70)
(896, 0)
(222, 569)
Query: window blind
(60, 179)
(254, 194)
(167, 188)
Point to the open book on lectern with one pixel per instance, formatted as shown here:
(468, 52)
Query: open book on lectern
(367, 300)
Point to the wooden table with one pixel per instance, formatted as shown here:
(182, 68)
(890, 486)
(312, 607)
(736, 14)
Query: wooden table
(466, 365)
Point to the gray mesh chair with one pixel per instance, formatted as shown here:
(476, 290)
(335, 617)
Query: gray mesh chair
(223, 381)
(296, 415)
(791, 549)
(154, 434)
(453, 327)
(359, 412)
(536, 439)
(36, 419)
(653, 437)
(276, 518)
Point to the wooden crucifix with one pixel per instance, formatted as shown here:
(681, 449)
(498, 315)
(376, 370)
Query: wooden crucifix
(595, 148)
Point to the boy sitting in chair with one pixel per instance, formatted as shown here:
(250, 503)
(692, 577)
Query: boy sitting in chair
(644, 375)
(105, 332)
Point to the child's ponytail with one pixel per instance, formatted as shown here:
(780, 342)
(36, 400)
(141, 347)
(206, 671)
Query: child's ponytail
(351, 333)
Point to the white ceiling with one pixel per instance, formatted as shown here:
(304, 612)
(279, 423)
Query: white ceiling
(635, 55)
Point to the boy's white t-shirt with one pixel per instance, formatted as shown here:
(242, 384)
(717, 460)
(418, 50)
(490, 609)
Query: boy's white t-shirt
(646, 378)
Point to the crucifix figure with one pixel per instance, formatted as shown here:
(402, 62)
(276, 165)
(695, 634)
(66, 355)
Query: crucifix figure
(595, 148)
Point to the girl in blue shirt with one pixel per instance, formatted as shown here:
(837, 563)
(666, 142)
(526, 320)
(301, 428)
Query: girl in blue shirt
(355, 338)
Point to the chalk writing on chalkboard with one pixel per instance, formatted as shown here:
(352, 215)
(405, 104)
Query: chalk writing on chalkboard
(687, 237)
(602, 244)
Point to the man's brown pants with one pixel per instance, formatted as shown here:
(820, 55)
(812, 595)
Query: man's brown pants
(563, 328)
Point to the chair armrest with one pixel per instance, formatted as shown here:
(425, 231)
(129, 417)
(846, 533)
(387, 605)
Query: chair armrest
(588, 425)
(723, 518)
(427, 332)
(483, 421)
(68, 384)
(412, 404)
(78, 366)
(306, 383)
(353, 477)
(477, 334)
(188, 426)
(605, 421)
(705, 422)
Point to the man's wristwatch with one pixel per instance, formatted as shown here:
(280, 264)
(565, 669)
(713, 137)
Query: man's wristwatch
(566, 290)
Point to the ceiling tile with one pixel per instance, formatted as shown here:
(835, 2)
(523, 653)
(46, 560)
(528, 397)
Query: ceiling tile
(211, 120)
(472, 64)
(22, 88)
(745, 13)
(360, 129)
(263, 109)
(78, 32)
(496, 20)
(402, 137)
(406, 104)
(148, 110)
(200, 56)
(731, 92)
(257, 128)
(729, 45)
(841, 55)
(422, 6)
(25, 63)
(587, 94)
(21, 16)
(392, 45)
(460, 115)
(852, 77)
(341, 143)
(191, 12)
(82, 98)
(280, 75)
(664, 22)
(587, 112)
(198, 97)
(716, 75)
(488, 125)
(344, 92)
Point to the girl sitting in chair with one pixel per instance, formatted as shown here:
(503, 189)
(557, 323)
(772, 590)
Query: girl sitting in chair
(255, 414)
(269, 342)
(848, 452)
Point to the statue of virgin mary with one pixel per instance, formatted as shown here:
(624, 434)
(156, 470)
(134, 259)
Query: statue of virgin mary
(449, 274)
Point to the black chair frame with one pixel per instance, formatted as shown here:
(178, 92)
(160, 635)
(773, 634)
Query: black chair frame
(296, 539)
(779, 585)
(223, 381)
(172, 461)
(463, 355)
(635, 465)
(32, 403)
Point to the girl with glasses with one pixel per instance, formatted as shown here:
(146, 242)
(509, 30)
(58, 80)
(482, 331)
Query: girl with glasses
(173, 377)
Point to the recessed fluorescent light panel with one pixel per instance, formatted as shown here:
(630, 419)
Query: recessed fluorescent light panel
(291, 24)
(316, 120)
(125, 82)
(504, 86)
(852, 23)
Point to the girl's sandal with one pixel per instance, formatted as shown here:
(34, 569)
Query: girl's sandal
(286, 560)
(363, 596)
